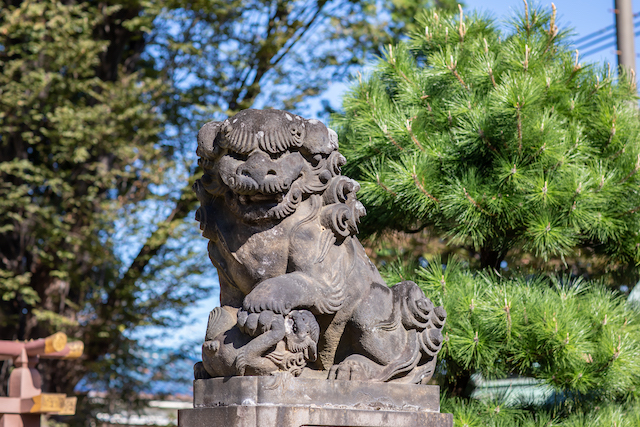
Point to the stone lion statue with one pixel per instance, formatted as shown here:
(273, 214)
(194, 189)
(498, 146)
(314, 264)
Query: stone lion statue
(295, 282)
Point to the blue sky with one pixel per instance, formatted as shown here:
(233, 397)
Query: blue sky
(585, 16)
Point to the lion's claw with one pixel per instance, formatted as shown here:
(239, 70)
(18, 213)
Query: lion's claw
(256, 304)
(255, 324)
(242, 318)
(252, 324)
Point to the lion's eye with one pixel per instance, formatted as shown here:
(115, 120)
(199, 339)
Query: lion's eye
(295, 131)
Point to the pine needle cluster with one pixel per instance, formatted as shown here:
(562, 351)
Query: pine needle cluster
(496, 414)
(575, 337)
(497, 140)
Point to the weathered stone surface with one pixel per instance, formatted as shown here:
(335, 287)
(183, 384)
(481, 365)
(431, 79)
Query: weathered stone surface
(285, 401)
(285, 390)
(290, 416)
(297, 289)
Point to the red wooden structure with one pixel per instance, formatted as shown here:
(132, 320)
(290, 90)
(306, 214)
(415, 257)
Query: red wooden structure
(26, 402)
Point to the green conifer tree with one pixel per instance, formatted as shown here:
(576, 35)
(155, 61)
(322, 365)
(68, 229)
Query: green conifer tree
(577, 339)
(497, 141)
(505, 141)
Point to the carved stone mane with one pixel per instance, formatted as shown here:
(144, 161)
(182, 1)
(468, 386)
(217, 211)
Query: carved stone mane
(271, 132)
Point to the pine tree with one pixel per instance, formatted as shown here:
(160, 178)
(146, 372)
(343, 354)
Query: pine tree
(574, 336)
(505, 142)
(498, 141)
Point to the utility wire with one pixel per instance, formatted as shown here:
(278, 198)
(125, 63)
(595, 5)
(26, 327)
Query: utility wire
(601, 39)
(605, 46)
(596, 33)
(598, 49)
(600, 31)
(587, 41)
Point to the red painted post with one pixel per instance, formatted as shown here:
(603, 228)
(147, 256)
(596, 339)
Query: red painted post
(26, 402)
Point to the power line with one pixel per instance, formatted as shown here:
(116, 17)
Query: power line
(598, 49)
(601, 39)
(600, 31)
(605, 46)
(589, 41)
(595, 33)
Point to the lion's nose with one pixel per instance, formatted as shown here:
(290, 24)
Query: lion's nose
(258, 166)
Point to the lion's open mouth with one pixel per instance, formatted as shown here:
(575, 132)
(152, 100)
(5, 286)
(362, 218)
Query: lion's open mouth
(260, 198)
(257, 206)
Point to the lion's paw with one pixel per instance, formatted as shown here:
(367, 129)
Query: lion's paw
(256, 303)
(254, 324)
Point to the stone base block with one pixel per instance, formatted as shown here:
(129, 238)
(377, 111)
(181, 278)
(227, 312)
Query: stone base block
(296, 416)
(285, 401)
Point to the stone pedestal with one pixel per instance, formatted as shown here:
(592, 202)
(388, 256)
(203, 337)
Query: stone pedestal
(286, 401)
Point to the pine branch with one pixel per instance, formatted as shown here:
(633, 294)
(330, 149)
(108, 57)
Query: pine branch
(613, 128)
(384, 187)
(462, 29)
(476, 204)
(527, 25)
(385, 130)
(413, 137)
(486, 140)
(553, 29)
(633, 172)
(452, 67)
(576, 67)
(392, 61)
(421, 186)
(519, 125)
(493, 80)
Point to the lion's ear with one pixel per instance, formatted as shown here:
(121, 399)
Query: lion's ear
(206, 139)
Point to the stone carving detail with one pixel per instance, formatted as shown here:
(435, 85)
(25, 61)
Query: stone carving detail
(298, 293)
(286, 346)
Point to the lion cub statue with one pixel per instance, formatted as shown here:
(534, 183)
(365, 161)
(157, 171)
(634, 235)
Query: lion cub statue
(297, 291)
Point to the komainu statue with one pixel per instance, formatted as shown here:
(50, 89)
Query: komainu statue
(298, 293)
